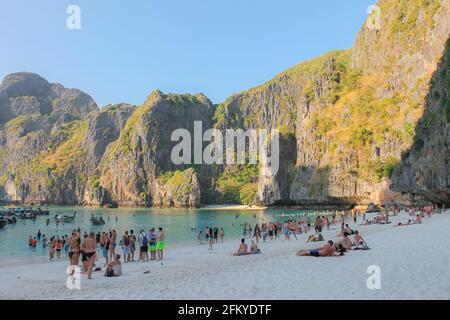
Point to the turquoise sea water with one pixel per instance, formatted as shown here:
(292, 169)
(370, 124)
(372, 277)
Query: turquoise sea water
(176, 223)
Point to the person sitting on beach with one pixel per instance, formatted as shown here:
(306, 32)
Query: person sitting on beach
(345, 241)
(325, 251)
(348, 229)
(358, 240)
(242, 251)
(114, 268)
(418, 219)
(254, 248)
(313, 238)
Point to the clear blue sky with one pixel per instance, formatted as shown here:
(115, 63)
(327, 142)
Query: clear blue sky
(125, 49)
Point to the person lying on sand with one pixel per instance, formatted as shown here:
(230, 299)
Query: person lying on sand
(114, 268)
(400, 224)
(327, 250)
(243, 250)
(254, 248)
(313, 238)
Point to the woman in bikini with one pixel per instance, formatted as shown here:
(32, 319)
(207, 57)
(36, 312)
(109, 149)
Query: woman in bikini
(74, 254)
(88, 246)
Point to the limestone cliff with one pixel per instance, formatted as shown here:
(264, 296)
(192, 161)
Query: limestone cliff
(352, 112)
(142, 152)
(368, 124)
(424, 172)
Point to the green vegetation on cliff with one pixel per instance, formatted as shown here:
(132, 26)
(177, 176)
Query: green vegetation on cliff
(237, 184)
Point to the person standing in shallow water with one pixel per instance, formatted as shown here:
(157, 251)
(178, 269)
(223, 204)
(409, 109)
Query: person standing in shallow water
(222, 234)
(216, 234)
(199, 237)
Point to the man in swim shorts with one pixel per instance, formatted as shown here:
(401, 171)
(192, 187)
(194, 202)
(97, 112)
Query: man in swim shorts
(152, 243)
(324, 251)
(160, 243)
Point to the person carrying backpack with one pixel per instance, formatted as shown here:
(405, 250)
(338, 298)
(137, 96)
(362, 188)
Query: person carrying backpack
(143, 243)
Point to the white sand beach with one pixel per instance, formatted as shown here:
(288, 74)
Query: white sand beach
(414, 262)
